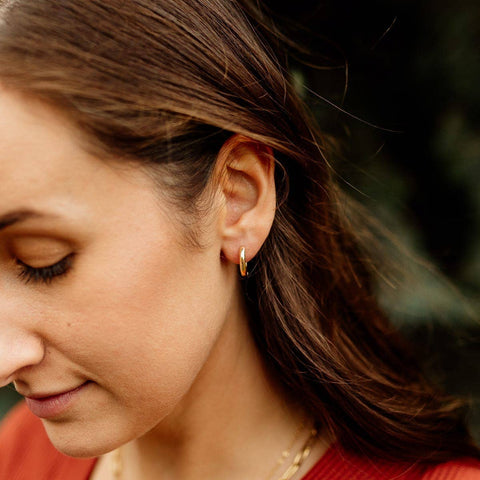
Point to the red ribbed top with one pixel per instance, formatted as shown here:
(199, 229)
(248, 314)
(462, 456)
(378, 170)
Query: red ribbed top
(27, 454)
(339, 465)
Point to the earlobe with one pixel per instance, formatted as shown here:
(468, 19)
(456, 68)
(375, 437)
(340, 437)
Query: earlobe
(246, 180)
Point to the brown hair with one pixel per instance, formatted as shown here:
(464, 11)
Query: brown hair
(166, 82)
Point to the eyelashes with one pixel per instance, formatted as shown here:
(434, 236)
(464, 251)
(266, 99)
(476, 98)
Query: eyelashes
(44, 274)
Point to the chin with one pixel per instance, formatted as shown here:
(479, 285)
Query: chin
(78, 442)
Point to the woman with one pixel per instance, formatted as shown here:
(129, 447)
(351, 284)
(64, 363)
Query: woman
(181, 295)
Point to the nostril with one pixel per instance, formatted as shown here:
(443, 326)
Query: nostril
(6, 381)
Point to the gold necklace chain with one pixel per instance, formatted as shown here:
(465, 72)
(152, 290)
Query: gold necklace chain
(287, 452)
(117, 464)
(300, 457)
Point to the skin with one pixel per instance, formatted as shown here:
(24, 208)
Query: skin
(157, 328)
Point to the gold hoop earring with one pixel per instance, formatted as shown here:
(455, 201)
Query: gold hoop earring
(243, 263)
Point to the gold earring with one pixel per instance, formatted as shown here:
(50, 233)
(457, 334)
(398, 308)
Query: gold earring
(243, 263)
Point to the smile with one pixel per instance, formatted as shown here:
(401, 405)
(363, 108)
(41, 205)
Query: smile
(53, 405)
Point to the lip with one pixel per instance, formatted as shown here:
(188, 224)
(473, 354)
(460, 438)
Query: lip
(49, 406)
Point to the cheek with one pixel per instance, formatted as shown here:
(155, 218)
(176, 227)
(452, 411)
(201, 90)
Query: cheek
(142, 325)
(142, 329)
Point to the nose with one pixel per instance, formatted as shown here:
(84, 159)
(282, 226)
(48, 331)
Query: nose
(18, 350)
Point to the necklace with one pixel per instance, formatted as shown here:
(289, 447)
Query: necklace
(287, 452)
(117, 464)
(300, 457)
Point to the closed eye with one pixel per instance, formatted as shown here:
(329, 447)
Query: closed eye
(44, 274)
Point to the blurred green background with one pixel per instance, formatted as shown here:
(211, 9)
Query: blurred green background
(407, 74)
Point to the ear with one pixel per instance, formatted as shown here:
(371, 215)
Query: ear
(246, 180)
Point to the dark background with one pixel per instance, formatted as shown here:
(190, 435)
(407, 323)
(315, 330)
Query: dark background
(407, 74)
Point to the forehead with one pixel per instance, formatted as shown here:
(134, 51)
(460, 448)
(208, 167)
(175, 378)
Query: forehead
(43, 164)
(35, 141)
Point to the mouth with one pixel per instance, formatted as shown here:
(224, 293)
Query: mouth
(53, 405)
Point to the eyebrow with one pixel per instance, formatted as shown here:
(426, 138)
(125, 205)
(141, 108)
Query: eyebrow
(18, 216)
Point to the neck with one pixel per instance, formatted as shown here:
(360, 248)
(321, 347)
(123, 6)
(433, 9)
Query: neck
(234, 423)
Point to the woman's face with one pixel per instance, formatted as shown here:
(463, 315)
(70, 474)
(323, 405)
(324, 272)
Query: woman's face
(97, 288)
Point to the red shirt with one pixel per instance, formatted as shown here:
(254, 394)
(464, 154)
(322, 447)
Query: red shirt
(27, 454)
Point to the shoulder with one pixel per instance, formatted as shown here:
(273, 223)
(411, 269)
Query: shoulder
(465, 469)
(27, 454)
